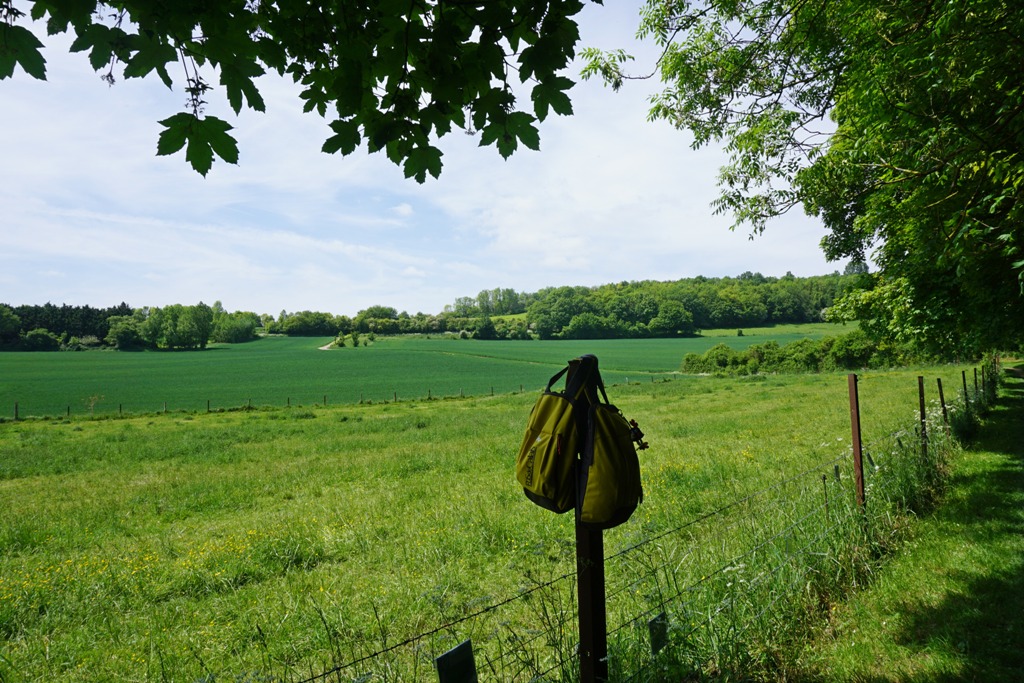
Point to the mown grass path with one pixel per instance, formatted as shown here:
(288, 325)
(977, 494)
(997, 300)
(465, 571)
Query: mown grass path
(951, 606)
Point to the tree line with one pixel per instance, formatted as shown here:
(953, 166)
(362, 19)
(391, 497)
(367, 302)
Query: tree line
(75, 328)
(612, 311)
(621, 310)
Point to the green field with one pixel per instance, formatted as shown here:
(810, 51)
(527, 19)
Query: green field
(279, 371)
(225, 546)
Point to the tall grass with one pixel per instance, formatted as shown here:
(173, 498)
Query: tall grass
(284, 542)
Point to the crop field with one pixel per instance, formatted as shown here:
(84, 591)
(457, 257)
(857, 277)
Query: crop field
(282, 371)
(224, 546)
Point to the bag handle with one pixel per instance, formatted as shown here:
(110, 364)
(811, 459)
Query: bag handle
(551, 382)
(583, 373)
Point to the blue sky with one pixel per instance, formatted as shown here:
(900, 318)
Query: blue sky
(91, 216)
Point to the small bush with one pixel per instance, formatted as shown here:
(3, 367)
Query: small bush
(850, 351)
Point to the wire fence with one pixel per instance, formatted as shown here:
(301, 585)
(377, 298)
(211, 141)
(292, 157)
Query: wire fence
(100, 406)
(711, 596)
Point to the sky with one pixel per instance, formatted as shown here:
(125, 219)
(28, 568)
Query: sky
(89, 215)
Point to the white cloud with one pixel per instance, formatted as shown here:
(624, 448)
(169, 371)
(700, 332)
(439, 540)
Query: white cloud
(91, 216)
(404, 210)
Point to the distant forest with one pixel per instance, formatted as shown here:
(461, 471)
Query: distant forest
(621, 310)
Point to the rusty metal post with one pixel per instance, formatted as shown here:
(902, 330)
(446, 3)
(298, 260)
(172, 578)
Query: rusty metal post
(858, 462)
(824, 486)
(963, 376)
(942, 402)
(975, 384)
(924, 418)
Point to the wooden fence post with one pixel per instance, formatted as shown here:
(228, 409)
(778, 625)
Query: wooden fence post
(858, 460)
(592, 613)
(593, 619)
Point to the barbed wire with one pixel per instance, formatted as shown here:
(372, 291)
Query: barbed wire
(678, 596)
(439, 629)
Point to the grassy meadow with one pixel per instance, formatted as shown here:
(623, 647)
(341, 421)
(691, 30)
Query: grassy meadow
(222, 546)
(280, 371)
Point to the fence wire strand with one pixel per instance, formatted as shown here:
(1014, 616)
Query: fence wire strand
(703, 581)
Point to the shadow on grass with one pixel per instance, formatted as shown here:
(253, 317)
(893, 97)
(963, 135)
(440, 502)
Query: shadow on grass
(983, 624)
(979, 621)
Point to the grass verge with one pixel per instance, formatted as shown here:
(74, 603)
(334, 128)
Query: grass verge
(950, 606)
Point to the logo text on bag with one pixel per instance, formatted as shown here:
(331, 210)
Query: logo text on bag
(529, 465)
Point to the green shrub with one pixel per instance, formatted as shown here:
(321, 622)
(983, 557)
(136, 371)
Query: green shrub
(851, 351)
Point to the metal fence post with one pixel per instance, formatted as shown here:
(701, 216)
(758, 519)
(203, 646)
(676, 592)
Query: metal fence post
(942, 402)
(592, 615)
(457, 665)
(858, 461)
(924, 418)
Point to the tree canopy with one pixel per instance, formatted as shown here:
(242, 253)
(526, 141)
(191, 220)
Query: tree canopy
(389, 75)
(897, 122)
